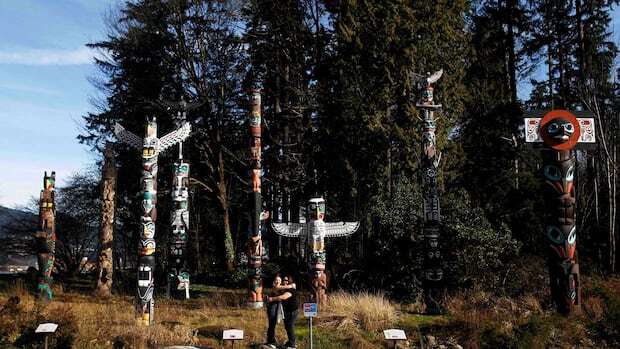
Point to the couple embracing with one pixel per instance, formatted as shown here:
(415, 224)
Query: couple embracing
(282, 303)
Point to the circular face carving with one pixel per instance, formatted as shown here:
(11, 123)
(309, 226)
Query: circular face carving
(560, 129)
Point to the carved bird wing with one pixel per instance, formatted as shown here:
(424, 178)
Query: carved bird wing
(433, 78)
(175, 136)
(291, 230)
(127, 137)
(340, 229)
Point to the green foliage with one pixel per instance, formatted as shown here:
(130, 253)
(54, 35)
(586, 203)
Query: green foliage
(397, 228)
(484, 254)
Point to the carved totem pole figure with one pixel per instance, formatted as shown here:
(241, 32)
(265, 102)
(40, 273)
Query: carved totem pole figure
(255, 243)
(432, 265)
(151, 147)
(561, 131)
(315, 230)
(46, 237)
(178, 276)
(106, 234)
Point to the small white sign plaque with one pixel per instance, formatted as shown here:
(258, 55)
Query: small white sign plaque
(46, 328)
(394, 334)
(310, 309)
(232, 335)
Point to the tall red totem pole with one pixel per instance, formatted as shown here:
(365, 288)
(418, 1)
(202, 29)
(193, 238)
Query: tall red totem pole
(255, 243)
(560, 132)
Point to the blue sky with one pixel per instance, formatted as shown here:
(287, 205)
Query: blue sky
(44, 90)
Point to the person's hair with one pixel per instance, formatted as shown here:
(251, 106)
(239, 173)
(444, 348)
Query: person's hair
(290, 278)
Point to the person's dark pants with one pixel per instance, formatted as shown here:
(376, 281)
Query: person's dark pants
(272, 317)
(289, 325)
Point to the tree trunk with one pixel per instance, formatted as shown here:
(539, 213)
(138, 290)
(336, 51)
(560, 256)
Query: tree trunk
(512, 70)
(580, 43)
(105, 264)
(611, 183)
(229, 247)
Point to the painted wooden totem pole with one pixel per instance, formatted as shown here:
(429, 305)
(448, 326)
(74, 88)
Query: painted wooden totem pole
(315, 230)
(151, 146)
(432, 265)
(255, 243)
(46, 237)
(106, 232)
(560, 131)
(178, 275)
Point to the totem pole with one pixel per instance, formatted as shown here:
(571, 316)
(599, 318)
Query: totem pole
(178, 275)
(432, 265)
(315, 230)
(560, 131)
(106, 233)
(46, 237)
(151, 146)
(255, 243)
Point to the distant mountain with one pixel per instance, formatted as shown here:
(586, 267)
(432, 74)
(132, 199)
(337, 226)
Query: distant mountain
(16, 240)
(16, 223)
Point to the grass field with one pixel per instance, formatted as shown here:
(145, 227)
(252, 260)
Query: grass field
(474, 319)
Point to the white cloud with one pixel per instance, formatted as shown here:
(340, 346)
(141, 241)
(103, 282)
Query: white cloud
(82, 55)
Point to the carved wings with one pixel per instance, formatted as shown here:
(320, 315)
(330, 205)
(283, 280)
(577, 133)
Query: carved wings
(175, 136)
(291, 230)
(127, 137)
(433, 78)
(340, 229)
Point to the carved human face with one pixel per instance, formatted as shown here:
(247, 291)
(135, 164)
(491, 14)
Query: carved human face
(427, 95)
(560, 130)
(316, 209)
(434, 274)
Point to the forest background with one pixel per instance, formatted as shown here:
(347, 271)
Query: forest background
(339, 120)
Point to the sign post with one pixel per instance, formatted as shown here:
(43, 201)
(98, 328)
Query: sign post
(394, 335)
(46, 329)
(232, 336)
(310, 311)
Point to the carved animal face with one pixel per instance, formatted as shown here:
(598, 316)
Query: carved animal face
(563, 240)
(560, 177)
(49, 182)
(147, 247)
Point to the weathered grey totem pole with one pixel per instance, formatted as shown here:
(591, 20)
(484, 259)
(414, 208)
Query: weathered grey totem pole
(178, 275)
(151, 146)
(432, 261)
(560, 131)
(315, 230)
(106, 232)
(255, 243)
(46, 237)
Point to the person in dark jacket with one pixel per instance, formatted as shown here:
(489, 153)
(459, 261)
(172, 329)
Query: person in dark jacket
(290, 305)
(272, 312)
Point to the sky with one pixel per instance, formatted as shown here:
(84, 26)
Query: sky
(44, 89)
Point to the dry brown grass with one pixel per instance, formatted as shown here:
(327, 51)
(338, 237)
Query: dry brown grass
(101, 324)
(367, 311)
